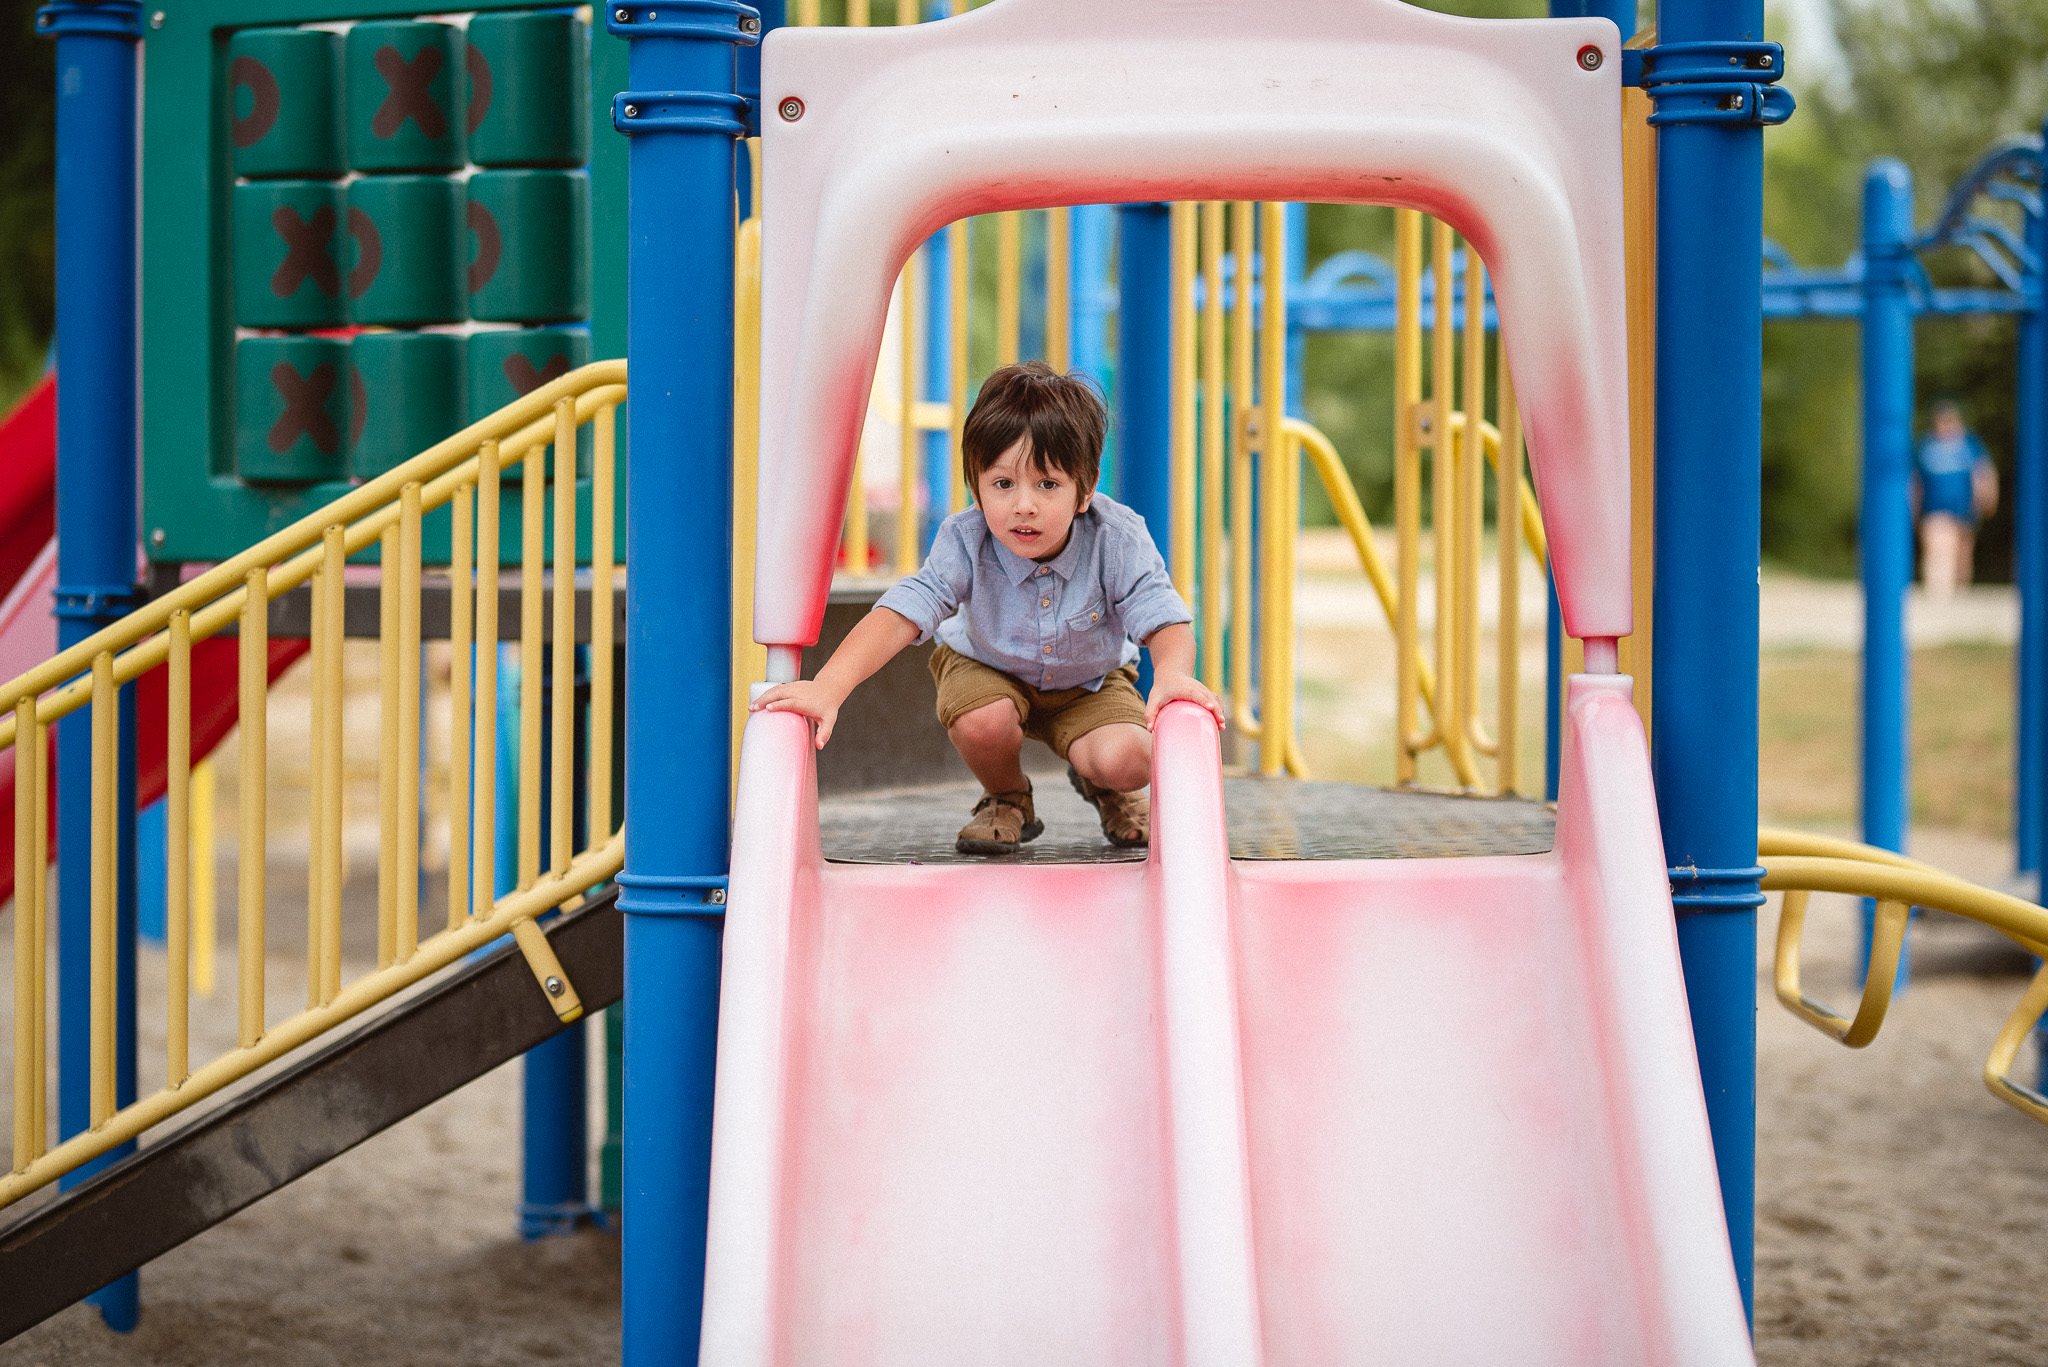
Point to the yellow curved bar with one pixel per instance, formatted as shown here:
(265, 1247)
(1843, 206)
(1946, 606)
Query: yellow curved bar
(1887, 945)
(1998, 1066)
(1916, 885)
(1532, 515)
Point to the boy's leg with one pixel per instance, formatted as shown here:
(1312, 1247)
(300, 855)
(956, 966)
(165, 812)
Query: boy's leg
(1117, 757)
(1103, 738)
(991, 739)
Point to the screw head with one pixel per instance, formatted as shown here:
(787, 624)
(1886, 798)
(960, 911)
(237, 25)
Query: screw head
(623, 15)
(157, 20)
(1590, 57)
(718, 897)
(1731, 101)
(749, 24)
(156, 536)
(791, 108)
(553, 985)
(632, 111)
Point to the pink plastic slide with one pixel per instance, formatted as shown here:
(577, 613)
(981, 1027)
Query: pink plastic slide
(1200, 1110)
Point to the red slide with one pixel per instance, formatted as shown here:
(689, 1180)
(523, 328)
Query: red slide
(28, 633)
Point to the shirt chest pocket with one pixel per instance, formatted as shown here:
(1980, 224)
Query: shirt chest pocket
(1088, 625)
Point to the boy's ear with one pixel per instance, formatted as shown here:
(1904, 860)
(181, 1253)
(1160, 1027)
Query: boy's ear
(1086, 497)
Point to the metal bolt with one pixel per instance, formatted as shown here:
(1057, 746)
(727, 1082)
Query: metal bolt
(718, 897)
(1591, 57)
(632, 111)
(749, 24)
(1735, 61)
(157, 20)
(42, 21)
(1731, 101)
(623, 15)
(156, 537)
(553, 986)
(791, 108)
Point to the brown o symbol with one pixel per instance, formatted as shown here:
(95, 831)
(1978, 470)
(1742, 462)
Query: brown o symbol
(265, 100)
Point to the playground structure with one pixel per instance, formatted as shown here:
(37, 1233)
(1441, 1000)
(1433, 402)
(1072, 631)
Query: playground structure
(1201, 1276)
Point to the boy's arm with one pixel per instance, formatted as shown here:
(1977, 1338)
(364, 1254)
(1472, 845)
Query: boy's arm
(1173, 672)
(872, 643)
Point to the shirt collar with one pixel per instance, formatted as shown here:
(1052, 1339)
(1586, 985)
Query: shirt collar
(1020, 568)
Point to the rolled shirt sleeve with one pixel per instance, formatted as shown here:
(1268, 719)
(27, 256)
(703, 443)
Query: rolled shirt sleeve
(1146, 599)
(935, 592)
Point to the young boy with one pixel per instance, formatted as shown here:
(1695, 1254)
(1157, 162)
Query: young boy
(1039, 594)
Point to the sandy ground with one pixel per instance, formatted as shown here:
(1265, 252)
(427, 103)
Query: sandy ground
(1899, 1204)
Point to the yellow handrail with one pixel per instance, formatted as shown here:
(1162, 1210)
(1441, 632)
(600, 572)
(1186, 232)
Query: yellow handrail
(1798, 864)
(385, 513)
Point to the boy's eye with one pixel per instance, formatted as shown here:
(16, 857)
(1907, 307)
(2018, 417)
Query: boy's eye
(1002, 483)
(1048, 484)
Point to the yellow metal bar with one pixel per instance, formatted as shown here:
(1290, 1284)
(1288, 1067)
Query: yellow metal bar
(106, 749)
(562, 750)
(461, 715)
(532, 525)
(1243, 248)
(1407, 481)
(1181, 415)
(807, 13)
(1998, 1067)
(387, 751)
(28, 965)
(1443, 484)
(1508, 491)
(205, 897)
(853, 545)
(178, 853)
(439, 952)
(293, 554)
(1887, 943)
(956, 340)
(908, 481)
(327, 729)
(1470, 500)
(1276, 619)
(749, 661)
(1490, 442)
(547, 970)
(1009, 284)
(1212, 452)
(1639, 251)
(1059, 319)
(857, 13)
(598, 796)
(40, 904)
(483, 781)
(906, 13)
(410, 684)
(253, 687)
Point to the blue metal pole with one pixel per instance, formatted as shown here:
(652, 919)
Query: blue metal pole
(1089, 295)
(1709, 430)
(2030, 464)
(1143, 412)
(1297, 337)
(1887, 526)
(938, 378)
(683, 117)
(97, 68)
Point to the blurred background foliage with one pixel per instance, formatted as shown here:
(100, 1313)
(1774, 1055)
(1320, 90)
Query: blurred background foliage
(1931, 82)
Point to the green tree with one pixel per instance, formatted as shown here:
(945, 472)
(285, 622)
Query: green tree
(27, 199)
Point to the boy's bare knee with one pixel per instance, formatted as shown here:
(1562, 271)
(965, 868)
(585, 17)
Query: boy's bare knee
(991, 726)
(1115, 757)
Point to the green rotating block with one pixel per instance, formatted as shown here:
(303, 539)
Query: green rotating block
(404, 96)
(291, 408)
(287, 264)
(530, 251)
(529, 101)
(507, 365)
(284, 89)
(405, 251)
(405, 394)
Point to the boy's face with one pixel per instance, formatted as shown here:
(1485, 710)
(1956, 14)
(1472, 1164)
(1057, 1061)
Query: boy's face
(1029, 507)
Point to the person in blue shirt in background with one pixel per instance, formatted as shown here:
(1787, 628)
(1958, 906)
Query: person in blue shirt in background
(1955, 484)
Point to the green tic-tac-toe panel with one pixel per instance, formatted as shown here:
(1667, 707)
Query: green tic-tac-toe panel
(364, 228)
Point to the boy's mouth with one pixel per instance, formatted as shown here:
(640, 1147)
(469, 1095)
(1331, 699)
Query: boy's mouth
(1026, 533)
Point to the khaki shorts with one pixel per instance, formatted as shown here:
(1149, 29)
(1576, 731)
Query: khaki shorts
(1059, 718)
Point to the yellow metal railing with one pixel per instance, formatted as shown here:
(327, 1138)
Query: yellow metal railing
(1798, 864)
(464, 474)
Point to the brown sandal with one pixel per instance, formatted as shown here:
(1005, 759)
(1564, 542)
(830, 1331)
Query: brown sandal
(1126, 817)
(1001, 823)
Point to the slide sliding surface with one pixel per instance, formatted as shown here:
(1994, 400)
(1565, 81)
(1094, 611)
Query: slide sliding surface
(1197, 1110)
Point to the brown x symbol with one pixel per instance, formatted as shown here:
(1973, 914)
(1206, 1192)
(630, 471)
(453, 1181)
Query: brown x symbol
(305, 408)
(408, 98)
(526, 377)
(308, 251)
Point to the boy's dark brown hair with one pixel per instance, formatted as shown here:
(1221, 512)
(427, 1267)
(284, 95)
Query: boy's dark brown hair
(1061, 414)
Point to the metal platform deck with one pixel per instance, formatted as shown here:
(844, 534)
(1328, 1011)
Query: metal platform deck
(1268, 819)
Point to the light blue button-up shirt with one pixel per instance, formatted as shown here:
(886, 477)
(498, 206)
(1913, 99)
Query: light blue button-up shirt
(1059, 623)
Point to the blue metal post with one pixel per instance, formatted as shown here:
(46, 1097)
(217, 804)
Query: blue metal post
(97, 68)
(938, 378)
(1089, 297)
(1143, 412)
(1887, 524)
(1709, 430)
(1297, 338)
(683, 118)
(2030, 465)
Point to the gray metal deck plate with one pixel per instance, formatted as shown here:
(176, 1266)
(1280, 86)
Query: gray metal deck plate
(1268, 819)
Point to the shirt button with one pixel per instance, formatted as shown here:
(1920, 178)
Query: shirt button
(1045, 602)
(1043, 571)
(1094, 616)
(1048, 650)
